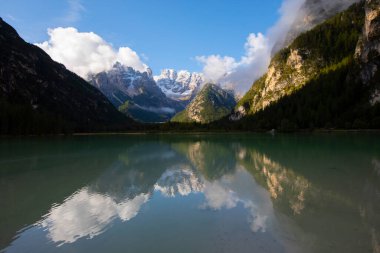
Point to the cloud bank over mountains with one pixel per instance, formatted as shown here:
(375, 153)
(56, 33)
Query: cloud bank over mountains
(86, 52)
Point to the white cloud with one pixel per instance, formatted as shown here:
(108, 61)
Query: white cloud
(86, 52)
(290, 11)
(216, 66)
(239, 74)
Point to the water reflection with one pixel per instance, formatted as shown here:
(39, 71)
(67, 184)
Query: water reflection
(292, 196)
(182, 181)
(122, 190)
(280, 181)
(239, 188)
(87, 214)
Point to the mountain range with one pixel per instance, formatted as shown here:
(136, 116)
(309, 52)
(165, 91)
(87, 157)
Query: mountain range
(146, 98)
(136, 94)
(324, 75)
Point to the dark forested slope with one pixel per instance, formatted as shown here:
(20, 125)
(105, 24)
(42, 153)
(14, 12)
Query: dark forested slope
(38, 95)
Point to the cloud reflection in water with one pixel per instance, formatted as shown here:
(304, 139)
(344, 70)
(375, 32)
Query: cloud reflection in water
(87, 214)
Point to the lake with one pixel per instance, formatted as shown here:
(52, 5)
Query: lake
(191, 193)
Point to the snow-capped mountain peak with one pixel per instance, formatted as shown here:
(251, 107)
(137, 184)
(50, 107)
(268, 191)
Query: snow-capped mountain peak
(181, 85)
(135, 93)
(168, 73)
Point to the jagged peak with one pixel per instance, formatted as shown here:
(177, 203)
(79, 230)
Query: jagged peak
(120, 68)
(179, 85)
(168, 73)
(175, 75)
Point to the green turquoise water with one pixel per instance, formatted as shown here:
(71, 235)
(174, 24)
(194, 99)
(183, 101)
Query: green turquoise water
(191, 193)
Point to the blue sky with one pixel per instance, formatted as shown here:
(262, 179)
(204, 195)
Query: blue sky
(165, 33)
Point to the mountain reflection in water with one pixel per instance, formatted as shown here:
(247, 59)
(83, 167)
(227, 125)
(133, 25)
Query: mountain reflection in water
(309, 194)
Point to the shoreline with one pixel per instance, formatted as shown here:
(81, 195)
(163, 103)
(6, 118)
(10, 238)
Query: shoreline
(231, 132)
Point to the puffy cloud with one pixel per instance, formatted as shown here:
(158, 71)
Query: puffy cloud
(239, 74)
(216, 66)
(252, 65)
(86, 52)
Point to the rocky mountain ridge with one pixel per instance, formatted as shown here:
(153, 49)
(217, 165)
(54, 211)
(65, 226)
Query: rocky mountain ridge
(179, 86)
(136, 94)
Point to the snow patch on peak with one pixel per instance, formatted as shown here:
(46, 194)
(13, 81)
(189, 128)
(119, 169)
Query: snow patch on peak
(168, 73)
(181, 85)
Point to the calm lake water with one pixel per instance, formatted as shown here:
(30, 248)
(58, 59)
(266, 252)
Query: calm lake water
(191, 193)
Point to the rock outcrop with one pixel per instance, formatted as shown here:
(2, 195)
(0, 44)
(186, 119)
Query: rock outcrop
(368, 49)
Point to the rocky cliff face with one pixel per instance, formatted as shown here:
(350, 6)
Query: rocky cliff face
(136, 94)
(289, 71)
(210, 104)
(179, 86)
(35, 88)
(368, 49)
(309, 55)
